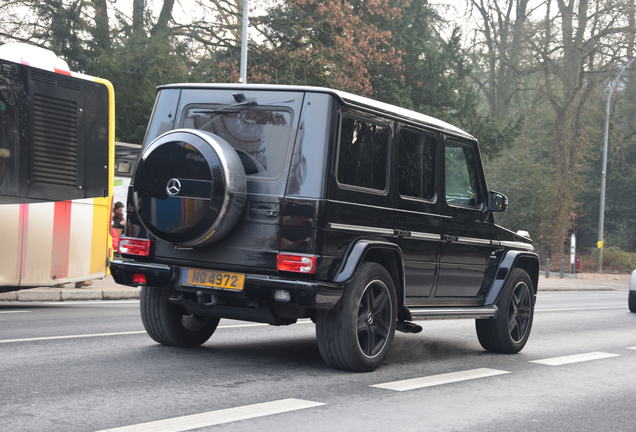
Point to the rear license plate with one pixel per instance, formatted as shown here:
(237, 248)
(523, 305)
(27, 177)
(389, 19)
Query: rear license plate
(215, 279)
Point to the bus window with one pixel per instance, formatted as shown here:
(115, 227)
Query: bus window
(11, 98)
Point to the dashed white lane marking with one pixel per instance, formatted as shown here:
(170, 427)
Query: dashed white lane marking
(632, 348)
(14, 311)
(93, 335)
(435, 380)
(212, 418)
(576, 358)
(578, 309)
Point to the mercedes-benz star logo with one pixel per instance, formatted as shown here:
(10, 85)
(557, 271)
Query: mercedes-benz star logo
(173, 187)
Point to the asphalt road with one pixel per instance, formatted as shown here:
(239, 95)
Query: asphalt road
(89, 366)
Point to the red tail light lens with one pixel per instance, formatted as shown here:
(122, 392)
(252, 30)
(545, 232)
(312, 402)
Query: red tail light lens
(134, 246)
(139, 279)
(296, 263)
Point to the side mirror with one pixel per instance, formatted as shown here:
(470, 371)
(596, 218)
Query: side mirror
(497, 202)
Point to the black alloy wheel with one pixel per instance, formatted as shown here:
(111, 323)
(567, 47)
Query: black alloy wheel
(509, 331)
(356, 334)
(519, 312)
(374, 318)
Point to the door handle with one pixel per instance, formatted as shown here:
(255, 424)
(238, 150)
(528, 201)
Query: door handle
(402, 233)
(450, 238)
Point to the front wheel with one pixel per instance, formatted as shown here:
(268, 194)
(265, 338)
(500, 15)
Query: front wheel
(356, 334)
(508, 332)
(632, 301)
(169, 323)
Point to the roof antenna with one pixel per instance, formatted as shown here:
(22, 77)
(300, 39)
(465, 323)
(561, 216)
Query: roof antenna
(239, 97)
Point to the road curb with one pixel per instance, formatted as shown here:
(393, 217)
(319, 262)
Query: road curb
(69, 294)
(29, 295)
(129, 294)
(9, 296)
(40, 295)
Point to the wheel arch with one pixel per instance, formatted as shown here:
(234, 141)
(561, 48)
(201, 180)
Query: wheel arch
(387, 254)
(527, 261)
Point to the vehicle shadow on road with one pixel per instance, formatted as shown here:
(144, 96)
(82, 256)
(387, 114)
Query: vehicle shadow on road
(283, 354)
(286, 354)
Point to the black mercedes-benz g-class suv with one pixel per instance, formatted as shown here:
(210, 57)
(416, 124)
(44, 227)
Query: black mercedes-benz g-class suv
(273, 203)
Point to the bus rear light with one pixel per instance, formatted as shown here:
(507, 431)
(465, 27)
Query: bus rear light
(296, 263)
(134, 246)
(139, 279)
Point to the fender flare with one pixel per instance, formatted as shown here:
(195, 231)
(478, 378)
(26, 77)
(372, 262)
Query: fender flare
(529, 261)
(356, 255)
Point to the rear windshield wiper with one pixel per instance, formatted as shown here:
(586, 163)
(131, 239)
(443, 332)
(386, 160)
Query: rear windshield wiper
(214, 113)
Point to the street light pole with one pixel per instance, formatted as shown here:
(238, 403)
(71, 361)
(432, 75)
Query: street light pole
(601, 218)
(243, 77)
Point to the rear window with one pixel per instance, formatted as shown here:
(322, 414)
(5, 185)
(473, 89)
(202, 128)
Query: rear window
(259, 135)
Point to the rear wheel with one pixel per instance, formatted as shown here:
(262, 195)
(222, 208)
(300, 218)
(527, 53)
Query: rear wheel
(508, 332)
(169, 323)
(632, 301)
(356, 334)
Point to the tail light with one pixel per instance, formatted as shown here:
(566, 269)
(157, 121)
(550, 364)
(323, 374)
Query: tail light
(134, 246)
(296, 263)
(139, 279)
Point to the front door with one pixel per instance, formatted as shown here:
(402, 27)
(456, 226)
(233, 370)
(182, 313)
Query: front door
(466, 231)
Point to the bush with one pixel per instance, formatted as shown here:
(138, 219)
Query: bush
(618, 260)
(614, 260)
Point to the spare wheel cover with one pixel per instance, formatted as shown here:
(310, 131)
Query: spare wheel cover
(189, 187)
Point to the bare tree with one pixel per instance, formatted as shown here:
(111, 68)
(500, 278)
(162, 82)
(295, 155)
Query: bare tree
(502, 47)
(580, 41)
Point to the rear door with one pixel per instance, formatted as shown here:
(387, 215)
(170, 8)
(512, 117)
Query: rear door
(263, 136)
(417, 219)
(466, 230)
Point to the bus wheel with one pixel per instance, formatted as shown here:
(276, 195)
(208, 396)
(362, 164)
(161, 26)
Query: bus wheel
(169, 323)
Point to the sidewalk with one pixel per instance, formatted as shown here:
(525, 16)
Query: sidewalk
(107, 289)
(103, 289)
(583, 282)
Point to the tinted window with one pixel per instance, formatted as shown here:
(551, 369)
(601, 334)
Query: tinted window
(462, 187)
(363, 154)
(416, 164)
(260, 136)
(12, 97)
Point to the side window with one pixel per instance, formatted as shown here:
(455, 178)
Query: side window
(363, 154)
(462, 187)
(416, 164)
(11, 98)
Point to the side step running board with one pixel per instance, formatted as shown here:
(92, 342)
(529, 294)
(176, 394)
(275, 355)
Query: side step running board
(425, 313)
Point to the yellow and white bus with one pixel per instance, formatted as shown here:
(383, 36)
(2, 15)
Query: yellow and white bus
(57, 150)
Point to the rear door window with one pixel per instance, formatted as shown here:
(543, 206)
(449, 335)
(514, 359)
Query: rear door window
(416, 164)
(363, 154)
(259, 135)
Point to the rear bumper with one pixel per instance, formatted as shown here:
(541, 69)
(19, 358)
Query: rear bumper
(303, 293)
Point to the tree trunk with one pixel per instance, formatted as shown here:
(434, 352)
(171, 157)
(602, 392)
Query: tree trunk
(139, 9)
(101, 32)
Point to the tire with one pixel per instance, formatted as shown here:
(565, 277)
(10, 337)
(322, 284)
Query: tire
(509, 331)
(169, 323)
(356, 334)
(198, 181)
(632, 301)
